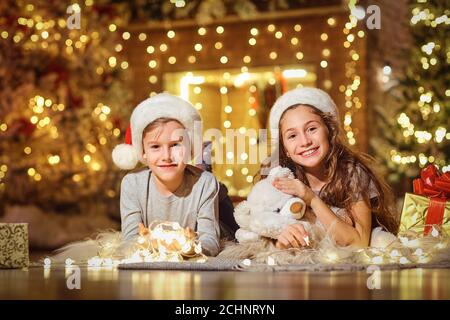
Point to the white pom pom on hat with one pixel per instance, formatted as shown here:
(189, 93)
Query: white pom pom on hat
(124, 155)
(163, 105)
(306, 95)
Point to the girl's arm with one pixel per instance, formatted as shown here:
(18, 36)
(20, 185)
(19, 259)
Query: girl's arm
(343, 233)
(130, 211)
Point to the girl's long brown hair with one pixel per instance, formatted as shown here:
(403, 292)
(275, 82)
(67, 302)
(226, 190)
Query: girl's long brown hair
(348, 174)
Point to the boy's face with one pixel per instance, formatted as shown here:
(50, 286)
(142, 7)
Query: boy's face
(164, 151)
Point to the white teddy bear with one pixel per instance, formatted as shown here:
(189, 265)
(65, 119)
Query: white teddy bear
(267, 210)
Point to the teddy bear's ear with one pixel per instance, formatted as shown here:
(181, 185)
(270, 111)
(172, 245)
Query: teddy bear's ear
(284, 172)
(274, 171)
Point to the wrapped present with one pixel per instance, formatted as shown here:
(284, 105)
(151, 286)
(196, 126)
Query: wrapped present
(14, 245)
(430, 203)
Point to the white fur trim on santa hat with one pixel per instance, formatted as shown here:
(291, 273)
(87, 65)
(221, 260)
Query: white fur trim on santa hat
(125, 156)
(311, 96)
(162, 105)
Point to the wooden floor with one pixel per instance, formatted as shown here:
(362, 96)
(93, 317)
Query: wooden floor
(37, 283)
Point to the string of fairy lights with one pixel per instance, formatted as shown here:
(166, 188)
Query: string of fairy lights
(47, 37)
(35, 32)
(350, 90)
(426, 103)
(164, 50)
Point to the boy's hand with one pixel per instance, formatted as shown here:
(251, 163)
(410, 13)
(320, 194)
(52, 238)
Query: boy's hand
(143, 231)
(293, 236)
(189, 233)
(294, 187)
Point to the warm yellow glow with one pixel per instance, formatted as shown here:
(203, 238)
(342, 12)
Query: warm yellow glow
(201, 31)
(142, 36)
(87, 158)
(223, 90)
(187, 80)
(53, 159)
(172, 60)
(294, 73)
(112, 61)
(171, 34)
(247, 59)
(192, 59)
(31, 172)
(228, 109)
(198, 47)
(163, 47)
(152, 64)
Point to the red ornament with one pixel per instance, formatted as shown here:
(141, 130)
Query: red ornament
(23, 127)
(75, 102)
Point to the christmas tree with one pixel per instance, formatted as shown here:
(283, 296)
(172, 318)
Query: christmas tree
(63, 105)
(415, 128)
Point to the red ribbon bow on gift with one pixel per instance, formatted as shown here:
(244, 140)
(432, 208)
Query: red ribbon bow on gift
(436, 186)
(432, 183)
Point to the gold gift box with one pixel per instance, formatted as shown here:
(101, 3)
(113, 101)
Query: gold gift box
(415, 209)
(14, 245)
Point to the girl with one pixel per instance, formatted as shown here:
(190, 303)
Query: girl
(169, 189)
(347, 198)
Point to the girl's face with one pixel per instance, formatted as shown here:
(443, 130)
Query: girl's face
(305, 137)
(164, 151)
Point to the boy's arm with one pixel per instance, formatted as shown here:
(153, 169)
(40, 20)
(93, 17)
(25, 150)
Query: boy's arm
(208, 218)
(130, 210)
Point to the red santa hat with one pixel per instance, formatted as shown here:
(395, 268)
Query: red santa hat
(163, 105)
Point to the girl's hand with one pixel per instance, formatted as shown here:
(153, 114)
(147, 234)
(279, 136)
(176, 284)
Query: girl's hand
(294, 187)
(293, 236)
